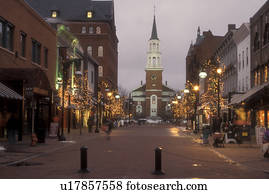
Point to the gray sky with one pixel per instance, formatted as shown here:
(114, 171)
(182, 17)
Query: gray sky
(177, 23)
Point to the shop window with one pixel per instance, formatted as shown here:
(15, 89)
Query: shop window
(260, 118)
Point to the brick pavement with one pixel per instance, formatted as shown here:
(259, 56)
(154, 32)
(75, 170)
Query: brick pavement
(21, 150)
(130, 154)
(247, 154)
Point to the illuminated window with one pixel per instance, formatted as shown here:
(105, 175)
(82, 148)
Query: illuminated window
(100, 51)
(54, 14)
(265, 74)
(256, 79)
(98, 30)
(89, 14)
(259, 77)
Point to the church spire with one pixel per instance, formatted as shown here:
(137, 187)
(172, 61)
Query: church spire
(154, 35)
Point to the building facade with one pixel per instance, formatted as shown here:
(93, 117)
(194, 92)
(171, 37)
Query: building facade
(93, 23)
(227, 53)
(242, 40)
(27, 64)
(152, 98)
(199, 52)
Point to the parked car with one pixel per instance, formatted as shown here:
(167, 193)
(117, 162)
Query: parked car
(151, 121)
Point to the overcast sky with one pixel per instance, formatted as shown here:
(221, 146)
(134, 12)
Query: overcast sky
(177, 23)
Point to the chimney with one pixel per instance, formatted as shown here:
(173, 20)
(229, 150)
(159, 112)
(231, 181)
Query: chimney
(166, 83)
(231, 27)
(141, 83)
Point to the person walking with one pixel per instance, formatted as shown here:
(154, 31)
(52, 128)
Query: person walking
(12, 128)
(90, 124)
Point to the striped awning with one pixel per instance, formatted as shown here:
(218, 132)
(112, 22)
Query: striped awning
(6, 92)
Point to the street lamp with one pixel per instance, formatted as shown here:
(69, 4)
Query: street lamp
(203, 74)
(179, 97)
(196, 89)
(186, 91)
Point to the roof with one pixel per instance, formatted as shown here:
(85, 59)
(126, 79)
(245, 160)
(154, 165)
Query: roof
(167, 89)
(154, 35)
(141, 88)
(244, 97)
(6, 92)
(74, 10)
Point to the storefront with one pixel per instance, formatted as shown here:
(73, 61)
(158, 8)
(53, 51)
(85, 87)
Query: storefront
(252, 108)
(9, 103)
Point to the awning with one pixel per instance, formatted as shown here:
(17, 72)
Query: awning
(241, 98)
(6, 92)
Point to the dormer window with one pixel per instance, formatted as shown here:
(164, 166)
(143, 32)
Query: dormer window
(54, 14)
(89, 14)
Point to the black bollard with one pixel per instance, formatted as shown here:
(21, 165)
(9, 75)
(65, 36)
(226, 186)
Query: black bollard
(83, 160)
(158, 161)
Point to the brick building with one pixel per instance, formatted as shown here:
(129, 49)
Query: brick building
(93, 23)
(199, 52)
(27, 63)
(152, 98)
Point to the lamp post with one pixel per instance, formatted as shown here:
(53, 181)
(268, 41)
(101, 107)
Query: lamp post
(196, 89)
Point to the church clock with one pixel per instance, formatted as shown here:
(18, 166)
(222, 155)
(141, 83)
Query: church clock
(153, 77)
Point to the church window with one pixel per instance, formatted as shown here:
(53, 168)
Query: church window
(157, 47)
(153, 99)
(154, 46)
(154, 61)
(139, 109)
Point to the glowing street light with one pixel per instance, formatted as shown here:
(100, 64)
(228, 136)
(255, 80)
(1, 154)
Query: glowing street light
(203, 74)
(219, 70)
(186, 91)
(196, 88)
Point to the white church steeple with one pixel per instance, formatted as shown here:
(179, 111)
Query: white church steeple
(154, 54)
